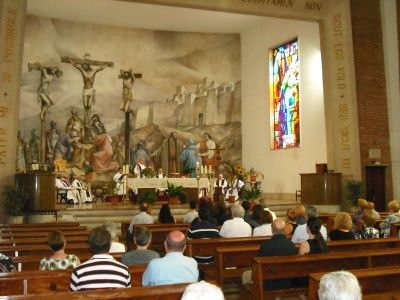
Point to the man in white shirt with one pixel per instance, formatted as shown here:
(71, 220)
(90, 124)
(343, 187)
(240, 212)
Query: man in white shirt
(141, 218)
(192, 214)
(236, 227)
(300, 234)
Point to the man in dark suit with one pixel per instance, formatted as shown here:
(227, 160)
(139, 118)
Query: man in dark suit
(278, 245)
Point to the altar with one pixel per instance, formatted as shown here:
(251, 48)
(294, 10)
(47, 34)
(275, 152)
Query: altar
(161, 183)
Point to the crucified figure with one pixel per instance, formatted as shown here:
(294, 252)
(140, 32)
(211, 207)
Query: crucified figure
(128, 78)
(46, 78)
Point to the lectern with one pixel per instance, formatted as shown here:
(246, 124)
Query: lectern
(325, 188)
(41, 188)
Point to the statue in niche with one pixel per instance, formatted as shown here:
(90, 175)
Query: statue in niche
(33, 147)
(52, 136)
(128, 78)
(46, 78)
(21, 154)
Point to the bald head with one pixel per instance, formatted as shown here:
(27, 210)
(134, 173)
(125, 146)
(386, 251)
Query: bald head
(175, 242)
(278, 226)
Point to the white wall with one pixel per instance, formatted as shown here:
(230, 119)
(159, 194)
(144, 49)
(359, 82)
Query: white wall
(281, 167)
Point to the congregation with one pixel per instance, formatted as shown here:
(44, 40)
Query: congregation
(302, 233)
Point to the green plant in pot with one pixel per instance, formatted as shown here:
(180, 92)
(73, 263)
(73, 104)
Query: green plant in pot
(148, 196)
(252, 193)
(148, 172)
(15, 200)
(88, 172)
(353, 190)
(174, 192)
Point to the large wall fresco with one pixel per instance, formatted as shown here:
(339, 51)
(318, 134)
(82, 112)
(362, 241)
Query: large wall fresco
(189, 90)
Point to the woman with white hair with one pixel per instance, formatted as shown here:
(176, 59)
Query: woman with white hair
(202, 290)
(340, 285)
(115, 245)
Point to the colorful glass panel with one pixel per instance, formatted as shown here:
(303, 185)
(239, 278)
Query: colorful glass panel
(285, 95)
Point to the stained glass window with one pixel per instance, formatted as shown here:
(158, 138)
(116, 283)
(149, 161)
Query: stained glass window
(285, 95)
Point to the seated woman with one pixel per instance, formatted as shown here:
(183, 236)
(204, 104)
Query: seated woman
(291, 224)
(141, 255)
(393, 217)
(368, 232)
(220, 212)
(59, 260)
(265, 229)
(343, 225)
(362, 206)
(6, 264)
(115, 245)
(316, 242)
(165, 215)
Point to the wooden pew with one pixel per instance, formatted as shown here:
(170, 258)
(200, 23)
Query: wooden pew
(31, 262)
(39, 282)
(159, 232)
(40, 240)
(232, 261)
(42, 229)
(283, 267)
(46, 224)
(165, 292)
(373, 281)
(43, 250)
(35, 234)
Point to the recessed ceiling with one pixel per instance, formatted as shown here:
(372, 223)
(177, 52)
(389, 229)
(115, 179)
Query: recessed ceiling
(138, 15)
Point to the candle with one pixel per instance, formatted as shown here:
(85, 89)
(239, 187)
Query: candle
(210, 166)
(202, 169)
(205, 169)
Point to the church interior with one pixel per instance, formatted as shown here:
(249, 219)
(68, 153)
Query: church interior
(105, 104)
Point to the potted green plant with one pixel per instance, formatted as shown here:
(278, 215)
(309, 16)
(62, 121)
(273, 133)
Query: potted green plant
(254, 174)
(174, 192)
(353, 190)
(148, 172)
(88, 172)
(148, 196)
(252, 193)
(15, 200)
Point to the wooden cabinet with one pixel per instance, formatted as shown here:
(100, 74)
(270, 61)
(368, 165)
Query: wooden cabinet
(323, 188)
(41, 188)
(375, 181)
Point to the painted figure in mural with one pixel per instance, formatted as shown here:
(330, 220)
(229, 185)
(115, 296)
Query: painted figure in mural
(97, 125)
(64, 146)
(139, 154)
(21, 151)
(128, 78)
(52, 136)
(74, 125)
(119, 149)
(46, 79)
(205, 150)
(34, 147)
(103, 155)
(88, 72)
(189, 157)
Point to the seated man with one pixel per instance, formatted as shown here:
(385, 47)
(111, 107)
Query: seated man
(141, 218)
(339, 285)
(236, 227)
(62, 183)
(84, 193)
(192, 214)
(141, 255)
(102, 270)
(174, 267)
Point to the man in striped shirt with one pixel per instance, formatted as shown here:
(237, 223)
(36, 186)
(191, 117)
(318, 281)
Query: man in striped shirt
(101, 271)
